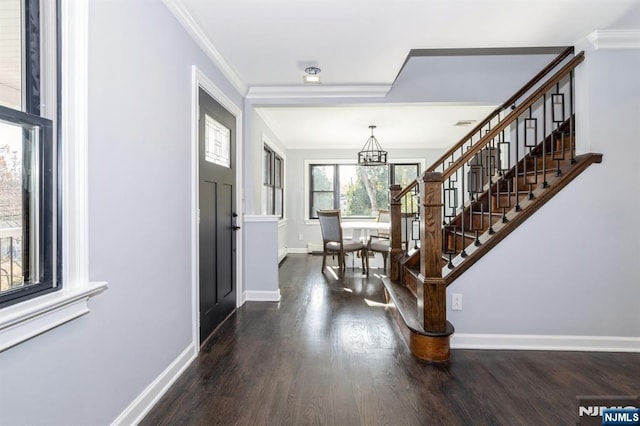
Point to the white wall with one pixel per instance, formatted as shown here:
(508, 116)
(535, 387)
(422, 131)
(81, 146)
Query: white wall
(261, 252)
(573, 268)
(88, 371)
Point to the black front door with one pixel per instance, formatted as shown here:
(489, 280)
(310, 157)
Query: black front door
(216, 146)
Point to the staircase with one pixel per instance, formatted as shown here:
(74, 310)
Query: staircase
(475, 195)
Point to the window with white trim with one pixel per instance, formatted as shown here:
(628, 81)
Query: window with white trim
(30, 221)
(273, 180)
(358, 192)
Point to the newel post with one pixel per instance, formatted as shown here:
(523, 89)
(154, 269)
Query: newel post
(433, 343)
(395, 233)
(432, 307)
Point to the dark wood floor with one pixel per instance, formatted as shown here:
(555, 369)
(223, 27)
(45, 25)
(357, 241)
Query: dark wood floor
(329, 354)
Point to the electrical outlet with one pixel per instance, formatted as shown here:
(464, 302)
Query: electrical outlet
(456, 302)
(300, 237)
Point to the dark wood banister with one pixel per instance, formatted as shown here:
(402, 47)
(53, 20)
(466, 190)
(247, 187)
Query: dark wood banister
(568, 174)
(430, 290)
(406, 190)
(515, 113)
(524, 89)
(531, 83)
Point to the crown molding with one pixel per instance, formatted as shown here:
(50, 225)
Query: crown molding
(318, 92)
(177, 9)
(615, 39)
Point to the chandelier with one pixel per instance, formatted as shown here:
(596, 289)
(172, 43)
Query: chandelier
(372, 153)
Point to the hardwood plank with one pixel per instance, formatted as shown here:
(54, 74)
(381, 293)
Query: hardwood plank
(329, 353)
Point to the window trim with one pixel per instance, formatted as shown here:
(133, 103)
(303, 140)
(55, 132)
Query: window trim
(30, 318)
(308, 220)
(39, 23)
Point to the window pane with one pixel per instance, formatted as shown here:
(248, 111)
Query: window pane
(278, 205)
(363, 190)
(322, 178)
(268, 199)
(264, 200)
(217, 142)
(321, 201)
(267, 167)
(277, 172)
(19, 215)
(405, 173)
(10, 54)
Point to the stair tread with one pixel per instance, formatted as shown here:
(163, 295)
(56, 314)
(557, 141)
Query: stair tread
(567, 148)
(536, 172)
(467, 233)
(525, 192)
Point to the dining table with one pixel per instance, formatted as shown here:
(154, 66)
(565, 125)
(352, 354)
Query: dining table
(362, 229)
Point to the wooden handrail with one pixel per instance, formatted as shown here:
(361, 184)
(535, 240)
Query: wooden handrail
(562, 56)
(464, 140)
(557, 77)
(524, 89)
(515, 113)
(406, 190)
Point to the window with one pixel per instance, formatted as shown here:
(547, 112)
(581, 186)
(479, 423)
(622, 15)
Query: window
(273, 179)
(356, 191)
(29, 219)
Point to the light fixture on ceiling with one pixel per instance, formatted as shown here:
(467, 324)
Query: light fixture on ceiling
(313, 75)
(372, 153)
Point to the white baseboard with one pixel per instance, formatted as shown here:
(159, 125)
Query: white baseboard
(140, 406)
(298, 250)
(545, 343)
(262, 296)
(282, 253)
(314, 248)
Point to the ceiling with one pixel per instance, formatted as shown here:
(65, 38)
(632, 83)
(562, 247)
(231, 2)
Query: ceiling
(398, 126)
(356, 43)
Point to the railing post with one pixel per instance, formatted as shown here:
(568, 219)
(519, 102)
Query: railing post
(395, 233)
(432, 308)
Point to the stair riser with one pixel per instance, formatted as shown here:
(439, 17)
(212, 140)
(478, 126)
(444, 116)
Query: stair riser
(480, 221)
(507, 201)
(551, 161)
(457, 242)
(476, 221)
(410, 281)
(569, 142)
(534, 179)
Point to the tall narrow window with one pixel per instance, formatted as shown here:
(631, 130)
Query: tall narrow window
(273, 179)
(29, 218)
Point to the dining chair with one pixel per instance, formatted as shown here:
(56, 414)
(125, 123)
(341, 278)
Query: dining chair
(384, 216)
(333, 242)
(381, 243)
